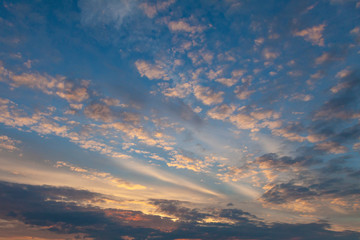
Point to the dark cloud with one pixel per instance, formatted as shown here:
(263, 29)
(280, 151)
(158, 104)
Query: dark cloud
(58, 209)
(327, 181)
(99, 112)
(236, 214)
(287, 192)
(348, 134)
(102, 112)
(278, 231)
(179, 109)
(175, 208)
(272, 160)
(355, 174)
(346, 100)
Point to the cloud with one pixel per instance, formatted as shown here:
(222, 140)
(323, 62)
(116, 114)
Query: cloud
(313, 34)
(59, 85)
(332, 147)
(102, 176)
(60, 210)
(302, 183)
(44, 83)
(235, 214)
(176, 209)
(10, 115)
(212, 74)
(264, 114)
(155, 139)
(151, 10)
(180, 90)
(238, 72)
(302, 97)
(113, 102)
(287, 192)
(69, 92)
(252, 120)
(274, 161)
(333, 55)
(292, 132)
(221, 112)
(227, 81)
(270, 54)
(243, 93)
(343, 84)
(243, 121)
(151, 71)
(182, 26)
(101, 125)
(207, 95)
(8, 144)
(343, 105)
(356, 146)
(97, 12)
(98, 111)
(45, 124)
(181, 161)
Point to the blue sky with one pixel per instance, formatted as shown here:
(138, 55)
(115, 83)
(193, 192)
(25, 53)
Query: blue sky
(129, 119)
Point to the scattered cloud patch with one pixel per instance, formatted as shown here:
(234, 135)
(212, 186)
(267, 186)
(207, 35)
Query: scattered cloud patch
(151, 71)
(9, 144)
(207, 95)
(313, 34)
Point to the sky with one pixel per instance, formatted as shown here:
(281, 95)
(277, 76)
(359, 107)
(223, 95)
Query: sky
(180, 119)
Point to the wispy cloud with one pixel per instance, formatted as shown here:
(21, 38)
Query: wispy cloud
(101, 176)
(97, 12)
(59, 85)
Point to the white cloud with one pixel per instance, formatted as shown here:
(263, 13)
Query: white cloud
(238, 73)
(313, 34)
(181, 161)
(96, 12)
(343, 73)
(59, 85)
(10, 115)
(323, 58)
(182, 26)
(301, 97)
(9, 144)
(243, 121)
(207, 95)
(150, 71)
(180, 90)
(214, 74)
(270, 54)
(151, 10)
(227, 81)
